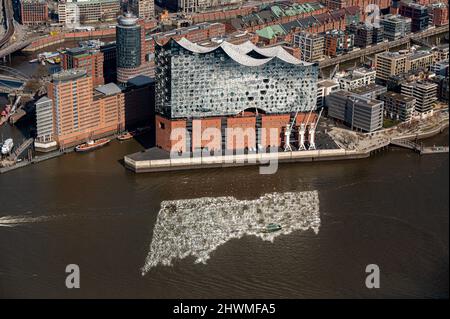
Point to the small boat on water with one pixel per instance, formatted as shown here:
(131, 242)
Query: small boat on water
(129, 135)
(7, 146)
(126, 136)
(92, 145)
(271, 228)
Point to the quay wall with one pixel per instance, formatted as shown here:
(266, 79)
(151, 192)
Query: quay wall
(223, 161)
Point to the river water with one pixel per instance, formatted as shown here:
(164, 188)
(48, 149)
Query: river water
(87, 209)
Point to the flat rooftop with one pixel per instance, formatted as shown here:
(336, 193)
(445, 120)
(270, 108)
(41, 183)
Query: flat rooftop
(398, 96)
(327, 83)
(368, 88)
(154, 153)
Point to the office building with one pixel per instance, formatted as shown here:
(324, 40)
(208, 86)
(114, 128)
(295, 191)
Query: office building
(443, 87)
(425, 94)
(130, 43)
(441, 68)
(192, 6)
(395, 26)
(358, 112)
(398, 107)
(325, 88)
(312, 45)
(419, 60)
(371, 91)
(81, 113)
(89, 59)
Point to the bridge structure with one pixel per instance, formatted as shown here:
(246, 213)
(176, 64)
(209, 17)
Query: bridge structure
(21, 148)
(12, 80)
(419, 148)
(385, 46)
(407, 144)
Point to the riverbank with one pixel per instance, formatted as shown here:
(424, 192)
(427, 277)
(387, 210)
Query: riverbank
(360, 146)
(47, 156)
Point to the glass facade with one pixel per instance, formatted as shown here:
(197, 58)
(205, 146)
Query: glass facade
(218, 83)
(128, 35)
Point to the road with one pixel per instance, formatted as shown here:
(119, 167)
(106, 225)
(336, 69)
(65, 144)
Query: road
(382, 47)
(9, 18)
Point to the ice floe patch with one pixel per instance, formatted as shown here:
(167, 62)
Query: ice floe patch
(198, 226)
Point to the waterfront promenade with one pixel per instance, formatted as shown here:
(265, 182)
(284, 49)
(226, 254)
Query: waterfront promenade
(352, 145)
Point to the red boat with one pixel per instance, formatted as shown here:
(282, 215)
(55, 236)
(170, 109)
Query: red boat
(126, 136)
(91, 145)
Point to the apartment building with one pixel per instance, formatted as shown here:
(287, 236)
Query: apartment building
(424, 92)
(312, 45)
(418, 14)
(419, 60)
(357, 78)
(89, 59)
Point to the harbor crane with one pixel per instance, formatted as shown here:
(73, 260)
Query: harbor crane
(302, 129)
(312, 132)
(289, 127)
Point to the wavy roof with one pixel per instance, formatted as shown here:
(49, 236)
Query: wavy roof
(239, 52)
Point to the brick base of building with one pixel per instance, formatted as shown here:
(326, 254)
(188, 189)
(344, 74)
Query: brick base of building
(245, 131)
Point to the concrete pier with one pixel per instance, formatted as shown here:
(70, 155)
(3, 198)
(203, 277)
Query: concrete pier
(157, 160)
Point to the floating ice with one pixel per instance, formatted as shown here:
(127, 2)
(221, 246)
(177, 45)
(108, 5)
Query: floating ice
(198, 226)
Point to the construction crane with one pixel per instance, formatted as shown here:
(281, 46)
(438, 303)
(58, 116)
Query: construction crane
(334, 72)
